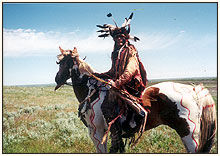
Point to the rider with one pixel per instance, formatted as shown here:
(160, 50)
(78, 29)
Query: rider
(127, 71)
(128, 74)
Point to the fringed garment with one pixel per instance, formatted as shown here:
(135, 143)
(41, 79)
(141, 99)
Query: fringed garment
(127, 70)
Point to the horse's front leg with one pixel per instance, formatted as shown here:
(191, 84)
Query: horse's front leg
(96, 135)
(97, 127)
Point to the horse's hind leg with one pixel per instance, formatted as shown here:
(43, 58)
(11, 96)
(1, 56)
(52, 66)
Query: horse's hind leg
(185, 130)
(190, 143)
(202, 133)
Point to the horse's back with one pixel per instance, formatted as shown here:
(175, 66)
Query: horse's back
(192, 105)
(182, 95)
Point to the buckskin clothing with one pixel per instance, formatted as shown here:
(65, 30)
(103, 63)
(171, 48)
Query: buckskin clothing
(129, 74)
(127, 70)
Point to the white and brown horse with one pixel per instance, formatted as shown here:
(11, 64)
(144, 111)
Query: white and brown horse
(190, 110)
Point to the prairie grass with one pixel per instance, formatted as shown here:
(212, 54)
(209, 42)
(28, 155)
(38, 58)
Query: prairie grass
(39, 120)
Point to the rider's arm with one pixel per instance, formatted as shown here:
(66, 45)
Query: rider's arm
(130, 70)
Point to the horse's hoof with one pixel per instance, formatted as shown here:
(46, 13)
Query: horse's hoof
(122, 150)
(113, 150)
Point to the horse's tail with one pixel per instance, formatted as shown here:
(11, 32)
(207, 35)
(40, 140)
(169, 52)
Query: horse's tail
(208, 125)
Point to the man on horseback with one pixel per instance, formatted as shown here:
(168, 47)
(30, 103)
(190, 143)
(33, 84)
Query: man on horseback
(129, 79)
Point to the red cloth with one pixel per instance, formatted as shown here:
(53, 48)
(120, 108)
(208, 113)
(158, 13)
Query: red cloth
(127, 67)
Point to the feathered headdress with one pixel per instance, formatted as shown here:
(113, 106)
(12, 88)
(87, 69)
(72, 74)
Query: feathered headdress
(108, 29)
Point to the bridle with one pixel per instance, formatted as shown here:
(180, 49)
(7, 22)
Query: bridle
(74, 73)
(69, 60)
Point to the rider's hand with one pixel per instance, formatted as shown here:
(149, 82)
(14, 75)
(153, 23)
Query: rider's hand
(112, 83)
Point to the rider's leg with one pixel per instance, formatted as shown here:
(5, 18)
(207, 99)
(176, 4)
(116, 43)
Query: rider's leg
(110, 113)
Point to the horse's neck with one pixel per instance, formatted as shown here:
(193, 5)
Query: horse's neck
(85, 68)
(81, 90)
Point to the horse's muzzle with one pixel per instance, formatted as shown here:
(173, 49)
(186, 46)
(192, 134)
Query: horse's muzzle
(59, 82)
(57, 86)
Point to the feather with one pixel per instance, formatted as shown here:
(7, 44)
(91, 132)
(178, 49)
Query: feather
(109, 15)
(101, 31)
(130, 17)
(84, 58)
(110, 26)
(104, 35)
(104, 26)
(129, 29)
(134, 38)
(125, 23)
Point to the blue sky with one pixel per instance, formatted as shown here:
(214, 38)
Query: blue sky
(177, 40)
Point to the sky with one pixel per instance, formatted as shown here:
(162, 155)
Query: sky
(177, 40)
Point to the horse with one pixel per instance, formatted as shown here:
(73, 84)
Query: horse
(189, 110)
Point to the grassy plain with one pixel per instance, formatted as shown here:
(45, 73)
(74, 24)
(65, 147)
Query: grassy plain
(38, 120)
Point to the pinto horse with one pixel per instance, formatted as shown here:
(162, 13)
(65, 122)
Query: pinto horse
(190, 110)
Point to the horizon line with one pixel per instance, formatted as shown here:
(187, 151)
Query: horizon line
(150, 80)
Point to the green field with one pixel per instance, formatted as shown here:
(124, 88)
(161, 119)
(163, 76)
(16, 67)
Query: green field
(39, 120)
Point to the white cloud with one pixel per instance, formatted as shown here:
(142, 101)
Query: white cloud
(159, 40)
(27, 42)
(20, 42)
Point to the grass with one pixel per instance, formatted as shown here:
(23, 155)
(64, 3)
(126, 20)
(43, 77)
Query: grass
(38, 120)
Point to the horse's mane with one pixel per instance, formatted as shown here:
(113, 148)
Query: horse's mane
(85, 68)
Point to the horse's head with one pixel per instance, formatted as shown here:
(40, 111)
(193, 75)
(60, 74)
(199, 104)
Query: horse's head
(119, 34)
(67, 60)
(71, 66)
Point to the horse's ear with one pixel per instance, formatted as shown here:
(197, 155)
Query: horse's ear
(75, 50)
(61, 50)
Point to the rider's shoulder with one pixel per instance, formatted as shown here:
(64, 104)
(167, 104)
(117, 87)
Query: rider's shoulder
(132, 50)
